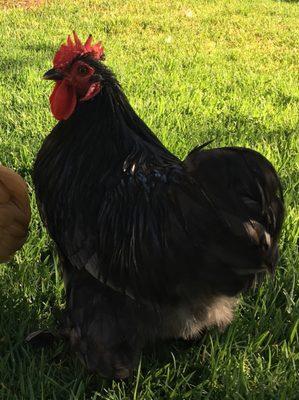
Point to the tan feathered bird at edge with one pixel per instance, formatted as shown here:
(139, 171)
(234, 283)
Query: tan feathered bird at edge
(14, 213)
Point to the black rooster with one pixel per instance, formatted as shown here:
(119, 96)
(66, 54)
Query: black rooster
(150, 246)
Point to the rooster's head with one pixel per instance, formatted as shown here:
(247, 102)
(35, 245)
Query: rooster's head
(76, 74)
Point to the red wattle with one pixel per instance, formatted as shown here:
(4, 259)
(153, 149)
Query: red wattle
(63, 100)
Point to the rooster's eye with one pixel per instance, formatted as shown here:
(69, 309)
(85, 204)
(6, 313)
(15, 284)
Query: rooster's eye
(82, 70)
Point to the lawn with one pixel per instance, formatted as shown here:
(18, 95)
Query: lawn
(194, 70)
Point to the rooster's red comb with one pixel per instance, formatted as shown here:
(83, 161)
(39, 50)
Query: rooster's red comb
(67, 52)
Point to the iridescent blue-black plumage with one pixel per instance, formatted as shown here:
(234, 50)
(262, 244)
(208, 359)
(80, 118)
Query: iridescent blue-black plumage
(152, 230)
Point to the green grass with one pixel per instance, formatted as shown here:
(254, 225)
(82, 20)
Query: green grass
(194, 70)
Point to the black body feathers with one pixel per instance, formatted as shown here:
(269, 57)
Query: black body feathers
(155, 230)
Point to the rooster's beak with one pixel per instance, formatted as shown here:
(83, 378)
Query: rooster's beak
(53, 75)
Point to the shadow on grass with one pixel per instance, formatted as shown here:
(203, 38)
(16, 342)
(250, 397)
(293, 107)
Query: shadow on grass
(43, 47)
(11, 64)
